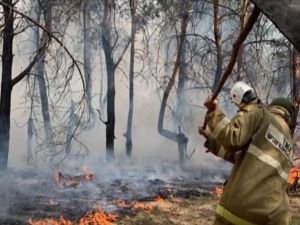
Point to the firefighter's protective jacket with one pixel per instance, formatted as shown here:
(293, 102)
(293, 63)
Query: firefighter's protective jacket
(258, 141)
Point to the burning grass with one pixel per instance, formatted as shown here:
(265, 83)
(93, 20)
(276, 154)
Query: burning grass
(179, 211)
(91, 218)
(194, 211)
(85, 199)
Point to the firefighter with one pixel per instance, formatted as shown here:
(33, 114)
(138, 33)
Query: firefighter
(257, 140)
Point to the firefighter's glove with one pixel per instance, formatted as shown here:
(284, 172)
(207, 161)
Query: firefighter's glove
(211, 105)
(203, 132)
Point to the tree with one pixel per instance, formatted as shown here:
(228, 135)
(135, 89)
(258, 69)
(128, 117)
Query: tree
(179, 138)
(109, 42)
(8, 81)
(128, 134)
(45, 10)
(87, 53)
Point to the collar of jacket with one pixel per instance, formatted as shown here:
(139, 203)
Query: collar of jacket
(250, 106)
(282, 112)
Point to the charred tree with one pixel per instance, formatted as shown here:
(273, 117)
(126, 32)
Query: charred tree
(87, 56)
(109, 45)
(243, 19)
(128, 134)
(110, 70)
(72, 123)
(181, 105)
(295, 83)
(46, 10)
(179, 137)
(7, 82)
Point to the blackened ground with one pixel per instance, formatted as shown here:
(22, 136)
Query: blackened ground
(31, 194)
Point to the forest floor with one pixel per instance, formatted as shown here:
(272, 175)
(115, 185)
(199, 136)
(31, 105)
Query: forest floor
(193, 211)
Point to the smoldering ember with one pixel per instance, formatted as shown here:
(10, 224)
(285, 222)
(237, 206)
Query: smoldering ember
(149, 112)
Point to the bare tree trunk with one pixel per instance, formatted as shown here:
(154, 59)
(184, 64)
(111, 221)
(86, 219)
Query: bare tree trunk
(243, 19)
(218, 43)
(87, 57)
(6, 83)
(110, 69)
(128, 134)
(34, 14)
(295, 83)
(40, 76)
(73, 121)
(102, 97)
(181, 106)
(180, 138)
(30, 129)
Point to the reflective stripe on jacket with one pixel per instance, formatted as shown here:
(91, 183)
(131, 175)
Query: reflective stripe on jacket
(259, 143)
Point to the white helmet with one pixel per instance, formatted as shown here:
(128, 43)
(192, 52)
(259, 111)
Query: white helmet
(237, 92)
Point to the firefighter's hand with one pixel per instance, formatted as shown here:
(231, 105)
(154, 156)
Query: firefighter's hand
(203, 132)
(210, 105)
(207, 146)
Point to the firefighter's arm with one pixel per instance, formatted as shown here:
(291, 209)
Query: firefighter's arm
(215, 148)
(235, 134)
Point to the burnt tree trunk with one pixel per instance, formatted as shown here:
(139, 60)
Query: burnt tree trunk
(295, 83)
(128, 134)
(110, 69)
(87, 57)
(180, 138)
(72, 123)
(6, 83)
(243, 16)
(108, 44)
(34, 14)
(40, 76)
(30, 128)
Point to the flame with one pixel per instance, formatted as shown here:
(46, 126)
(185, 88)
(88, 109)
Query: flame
(88, 175)
(218, 191)
(91, 218)
(60, 221)
(294, 173)
(159, 199)
(64, 181)
(98, 218)
(135, 205)
(58, 181)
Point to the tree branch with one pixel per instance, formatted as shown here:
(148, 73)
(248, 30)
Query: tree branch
(184, 23)
(50, 36)
(40, 52)
(122, 54)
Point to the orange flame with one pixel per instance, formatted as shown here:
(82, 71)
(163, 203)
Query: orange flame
(218, 191)
(91, 218)
(88, 176)
(293, 174)
(135, 205)
(64, 181)
(159, 199)
(58, 181)
(98, 218)
(60, 221)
